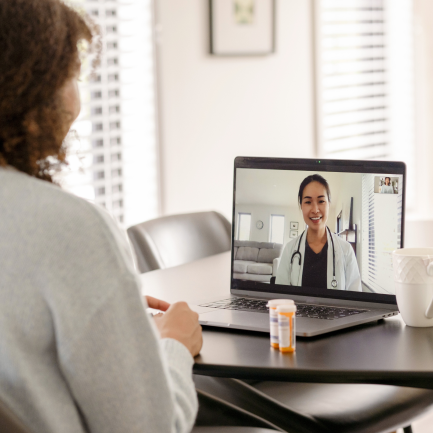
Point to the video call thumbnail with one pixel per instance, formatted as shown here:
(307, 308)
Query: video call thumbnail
(338, 235)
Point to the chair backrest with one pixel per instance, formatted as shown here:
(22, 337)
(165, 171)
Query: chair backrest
(177, 239)
(9, 423)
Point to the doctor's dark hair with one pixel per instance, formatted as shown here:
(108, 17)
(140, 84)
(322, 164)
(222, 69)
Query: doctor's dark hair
(313, 178)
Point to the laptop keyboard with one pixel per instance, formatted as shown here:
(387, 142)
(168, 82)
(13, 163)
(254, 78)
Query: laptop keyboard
(303, 310)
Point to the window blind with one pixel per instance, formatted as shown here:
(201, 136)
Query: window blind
(379, 239)
(352, 79)
(113, 158)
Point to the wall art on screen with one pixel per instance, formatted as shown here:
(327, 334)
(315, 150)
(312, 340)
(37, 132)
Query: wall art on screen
(242, 27)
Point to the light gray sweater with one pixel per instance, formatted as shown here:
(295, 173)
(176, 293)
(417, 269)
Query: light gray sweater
(78, 353)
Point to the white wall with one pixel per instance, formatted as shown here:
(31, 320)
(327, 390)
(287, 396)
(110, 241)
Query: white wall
(215, 108)
(418, 233)
(423, 43)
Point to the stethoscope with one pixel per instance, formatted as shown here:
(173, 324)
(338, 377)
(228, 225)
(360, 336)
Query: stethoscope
(334, 282)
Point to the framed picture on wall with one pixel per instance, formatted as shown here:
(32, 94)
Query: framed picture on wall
(242, 27)
(294, 233)
(294, 226)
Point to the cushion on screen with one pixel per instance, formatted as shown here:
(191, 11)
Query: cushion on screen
(247, 253)
(260, 268)
(235, 250)
(252, 244)
(266, 245)
(241, 266)
(267, 255)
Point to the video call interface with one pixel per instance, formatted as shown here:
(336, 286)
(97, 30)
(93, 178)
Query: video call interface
(341, 242)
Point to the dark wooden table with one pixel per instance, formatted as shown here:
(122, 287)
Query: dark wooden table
(384, 352)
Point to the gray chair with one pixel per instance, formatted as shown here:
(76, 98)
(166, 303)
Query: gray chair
(220, 416)
(177, 239)
(323, 408)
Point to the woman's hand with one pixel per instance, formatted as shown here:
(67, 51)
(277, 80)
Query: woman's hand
(157, 304)
(181, 324)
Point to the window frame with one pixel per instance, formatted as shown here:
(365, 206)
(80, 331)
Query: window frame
(270, 226)
(239, 225)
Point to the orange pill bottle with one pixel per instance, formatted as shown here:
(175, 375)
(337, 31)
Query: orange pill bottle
(286, 327)
(273, 319)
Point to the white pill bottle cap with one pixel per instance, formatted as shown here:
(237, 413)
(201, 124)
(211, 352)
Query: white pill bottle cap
(287, 308)
(274, 303)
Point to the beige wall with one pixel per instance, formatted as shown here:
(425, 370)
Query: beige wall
(215, 108)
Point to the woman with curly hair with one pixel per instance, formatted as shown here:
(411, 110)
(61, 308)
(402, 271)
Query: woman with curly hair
(78, 352)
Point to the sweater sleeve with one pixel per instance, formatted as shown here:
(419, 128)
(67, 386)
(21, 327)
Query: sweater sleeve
(121, 375)
(126, 380)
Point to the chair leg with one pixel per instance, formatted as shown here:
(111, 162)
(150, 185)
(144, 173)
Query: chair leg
(408, 429)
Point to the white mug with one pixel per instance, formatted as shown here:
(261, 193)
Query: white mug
(413, 275)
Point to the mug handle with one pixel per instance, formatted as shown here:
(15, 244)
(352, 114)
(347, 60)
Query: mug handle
(429, 312)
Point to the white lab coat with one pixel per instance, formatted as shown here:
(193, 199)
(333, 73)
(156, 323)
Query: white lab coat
(346, 267)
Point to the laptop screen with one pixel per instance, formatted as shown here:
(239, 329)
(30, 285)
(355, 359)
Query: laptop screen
(320, 228)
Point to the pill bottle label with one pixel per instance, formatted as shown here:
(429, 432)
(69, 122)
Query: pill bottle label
(273, 322)
(287, 332)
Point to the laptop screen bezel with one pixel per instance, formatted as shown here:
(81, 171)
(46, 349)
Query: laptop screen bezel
(321, 165)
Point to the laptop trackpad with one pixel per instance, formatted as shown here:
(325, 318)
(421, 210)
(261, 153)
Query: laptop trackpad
(236, 319)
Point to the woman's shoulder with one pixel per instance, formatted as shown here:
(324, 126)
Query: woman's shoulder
(48, 204)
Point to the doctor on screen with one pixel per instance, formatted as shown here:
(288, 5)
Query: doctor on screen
(318, 258)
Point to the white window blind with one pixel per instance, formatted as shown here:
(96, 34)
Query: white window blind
(381, 234)
(352, 79)
(113, 161)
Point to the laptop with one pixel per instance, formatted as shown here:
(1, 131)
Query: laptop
(356, 208)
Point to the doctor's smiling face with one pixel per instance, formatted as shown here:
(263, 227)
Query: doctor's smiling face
(315, 206)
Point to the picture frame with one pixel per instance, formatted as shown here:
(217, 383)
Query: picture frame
(242, 27)
(293, 234)
(294, 226)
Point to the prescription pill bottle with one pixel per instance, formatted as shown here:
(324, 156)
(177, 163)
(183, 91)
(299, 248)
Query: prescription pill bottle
(273, 318)
(287, 327)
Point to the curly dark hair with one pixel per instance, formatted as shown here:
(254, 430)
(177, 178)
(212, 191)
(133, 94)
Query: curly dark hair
(39, 53)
